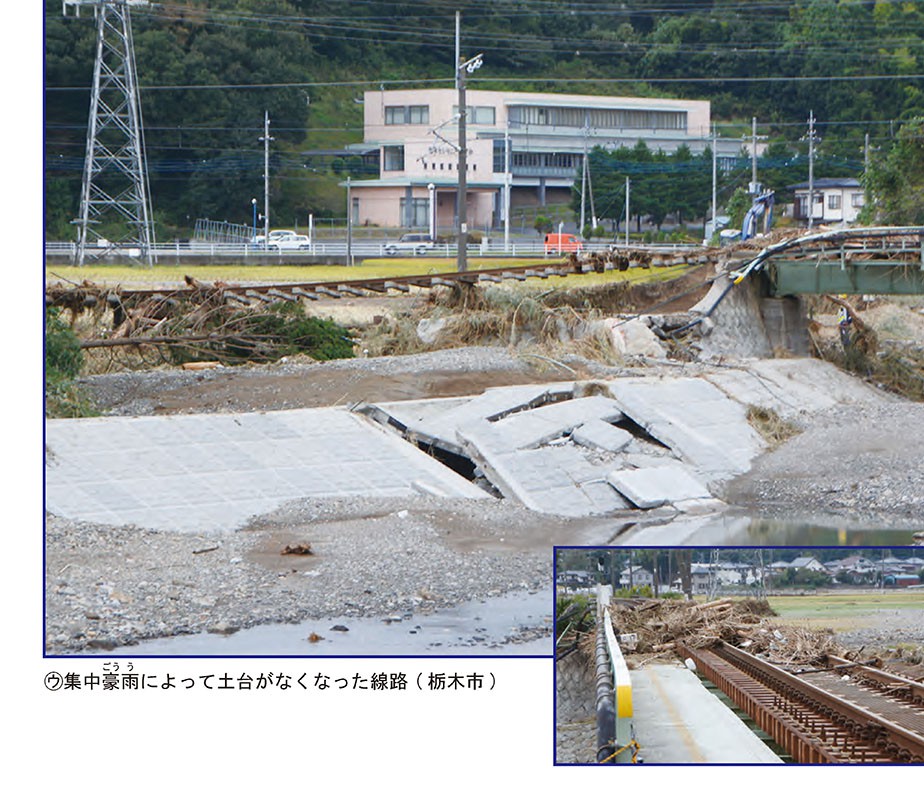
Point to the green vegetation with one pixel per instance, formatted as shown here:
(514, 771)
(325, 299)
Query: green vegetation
(773, 61)
(63, 363)
(283, 330)
(575, 615)
(896, 181)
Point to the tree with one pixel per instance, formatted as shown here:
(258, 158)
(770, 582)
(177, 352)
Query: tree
(895, 184)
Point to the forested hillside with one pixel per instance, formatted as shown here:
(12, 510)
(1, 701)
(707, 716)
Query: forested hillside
(210, 68)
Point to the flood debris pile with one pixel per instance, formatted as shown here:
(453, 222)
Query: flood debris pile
(201, 323)
(661, 625)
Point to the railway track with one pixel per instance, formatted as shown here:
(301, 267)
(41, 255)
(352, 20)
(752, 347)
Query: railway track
(88, 296)
(818, 717)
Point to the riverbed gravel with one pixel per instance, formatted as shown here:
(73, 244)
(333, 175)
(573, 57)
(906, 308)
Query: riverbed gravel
(109, 586)
(113, 586)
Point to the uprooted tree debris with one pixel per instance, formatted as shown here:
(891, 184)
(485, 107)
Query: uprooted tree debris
(208, 324)
(659, 625)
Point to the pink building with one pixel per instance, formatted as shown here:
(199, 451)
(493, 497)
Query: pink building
(544, 136)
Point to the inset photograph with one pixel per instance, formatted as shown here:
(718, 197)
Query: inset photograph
(739, 656)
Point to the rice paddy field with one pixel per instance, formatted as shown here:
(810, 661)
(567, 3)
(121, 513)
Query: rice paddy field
(853, 610)
(170, 276)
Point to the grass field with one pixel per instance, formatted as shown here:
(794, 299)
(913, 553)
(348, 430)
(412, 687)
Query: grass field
(847, 610)
(172, 275)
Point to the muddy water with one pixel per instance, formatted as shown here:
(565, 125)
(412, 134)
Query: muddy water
(513, 624)
(747, 527)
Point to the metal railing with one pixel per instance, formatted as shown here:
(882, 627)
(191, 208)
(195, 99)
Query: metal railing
(333, 248)
(615, 729)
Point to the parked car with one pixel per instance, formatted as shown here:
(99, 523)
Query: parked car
(418, 243)
(274, 235)
(289, 241)
(556, 243)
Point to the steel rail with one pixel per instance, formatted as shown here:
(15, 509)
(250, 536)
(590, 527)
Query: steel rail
(56, 296)
(889, 683)
(814, 726)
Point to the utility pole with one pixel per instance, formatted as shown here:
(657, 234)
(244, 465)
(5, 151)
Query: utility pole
(115, 188)
(811, 158)
(714, 183)
(265, 139)
(468, 67)
(754, 189)
(583, 187)
(349, 249)
(507, 176)
(458, 47)
(627, 211)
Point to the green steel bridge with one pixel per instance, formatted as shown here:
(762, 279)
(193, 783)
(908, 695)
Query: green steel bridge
(869, 260)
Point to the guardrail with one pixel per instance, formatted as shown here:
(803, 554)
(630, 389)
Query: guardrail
(362, 249)
(615, 729)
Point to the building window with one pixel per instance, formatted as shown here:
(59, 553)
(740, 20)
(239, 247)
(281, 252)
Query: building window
(482, 116)
(598, 118)
(416, 212)
(834, 201)
(395, 116)
(500, 158)
(416, 114)
(393, 157)
(355, 211)
(857, 200)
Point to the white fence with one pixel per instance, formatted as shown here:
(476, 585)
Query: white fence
(333, 248)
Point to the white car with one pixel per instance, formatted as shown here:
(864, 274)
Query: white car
(417, 243)
(289, 241)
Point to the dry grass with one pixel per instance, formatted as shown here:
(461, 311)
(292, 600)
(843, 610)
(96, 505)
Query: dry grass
(772, 427)
(171, 276)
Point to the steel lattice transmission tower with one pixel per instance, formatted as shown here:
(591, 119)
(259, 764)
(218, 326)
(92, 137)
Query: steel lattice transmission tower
(115, 186)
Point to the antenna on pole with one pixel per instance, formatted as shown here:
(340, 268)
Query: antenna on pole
(115, 196)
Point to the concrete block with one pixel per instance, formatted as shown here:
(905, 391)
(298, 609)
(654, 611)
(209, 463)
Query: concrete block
(214, 471)
(695, 420)
(597, 434)
(538, 426)
(653, 487)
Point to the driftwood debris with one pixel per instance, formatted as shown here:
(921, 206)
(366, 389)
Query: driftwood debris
(748, 623)
(299, 549)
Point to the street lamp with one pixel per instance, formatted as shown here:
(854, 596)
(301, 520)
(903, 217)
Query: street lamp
(431, 188)
(253, 237)
(468, 67)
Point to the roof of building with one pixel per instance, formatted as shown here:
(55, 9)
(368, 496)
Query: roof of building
(828, 183)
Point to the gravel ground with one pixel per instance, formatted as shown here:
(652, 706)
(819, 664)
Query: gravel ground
(111, 586)
(854, 460)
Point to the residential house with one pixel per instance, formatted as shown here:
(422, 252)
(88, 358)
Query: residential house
(636, 576)
(835, 201)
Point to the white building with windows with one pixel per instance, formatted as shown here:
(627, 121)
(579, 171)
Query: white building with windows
(835, 201)
(543, 136)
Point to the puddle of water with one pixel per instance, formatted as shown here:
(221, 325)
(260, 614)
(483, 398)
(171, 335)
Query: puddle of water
(741, 527)
(492, 627)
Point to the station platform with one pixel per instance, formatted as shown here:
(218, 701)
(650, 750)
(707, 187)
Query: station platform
(679, 721)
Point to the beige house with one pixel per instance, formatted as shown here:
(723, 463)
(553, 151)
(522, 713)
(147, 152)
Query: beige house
(538, 140)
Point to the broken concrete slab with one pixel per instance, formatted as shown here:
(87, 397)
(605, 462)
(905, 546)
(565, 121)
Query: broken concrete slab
(697, 421)
(600, 435)
(633, 337)
(791, 387)
(559, 480)
(647, 488)
(214, 471)
(495, 403)
(530, 429)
